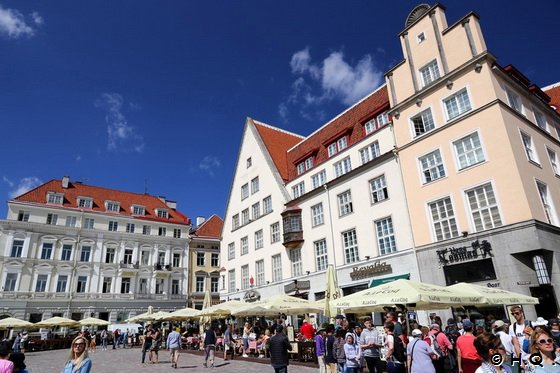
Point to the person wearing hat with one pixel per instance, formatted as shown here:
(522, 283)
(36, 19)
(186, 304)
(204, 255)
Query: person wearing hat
(555, 331)
(173, 345)
(320, 349)
(499, 327)
(339, 319)
(468, 359)
(279, 348)
(443, 343)
(419, 355)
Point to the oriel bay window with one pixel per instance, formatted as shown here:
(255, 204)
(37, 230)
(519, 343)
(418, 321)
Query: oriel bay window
(293, 234)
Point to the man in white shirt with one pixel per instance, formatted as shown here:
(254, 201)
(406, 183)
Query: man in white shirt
(517, 333)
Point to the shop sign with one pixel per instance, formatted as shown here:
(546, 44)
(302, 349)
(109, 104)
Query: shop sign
(493, 284)
(477, 250)
(252, 296)
(297, 285)
(374, 269)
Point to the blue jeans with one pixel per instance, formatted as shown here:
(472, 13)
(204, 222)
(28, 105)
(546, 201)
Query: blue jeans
(393, 367)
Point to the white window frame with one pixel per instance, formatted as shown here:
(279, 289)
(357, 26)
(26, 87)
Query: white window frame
(298, 189)
(542, 123)
(547, 203)
(370, 152)
(514, 100)
(244, 243)
(370, 126)
(342, 167)
(461, 105)
(245, 219)
(430, 165)
(235, 221)
(84, 202)
(300, 168)
(276, 268)
(259, 272)
(231, 281)
(89, 223)
(130, 228)
(256, 210)
(444, 223)
(43, 288)
(23, 216)
(345, 205)
(71, 221)
(432, 70)
(296, 262)
(112, 206)
(382, 119)
(162, 213)
(529, 146)
(421, 37)
(385, 233)
(267, 205)
(259, 239)
(321, 254)
(378, 189)
(427, 125)
(138, 210)
(319, 179)
(54, 198)
(255, 186)
(317, 215)
(52, 219)
(553, 158)
(337, 146)
(231, 250)
(245, 277)
(491, 209)
(244, 191)
(350, 245)
(275, 232)
(113, 226)
(471, 153)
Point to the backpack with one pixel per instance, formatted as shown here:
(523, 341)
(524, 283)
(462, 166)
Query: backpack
(398, 349)
(436, 348)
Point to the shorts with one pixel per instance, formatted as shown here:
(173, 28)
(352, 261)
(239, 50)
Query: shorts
(174, 352)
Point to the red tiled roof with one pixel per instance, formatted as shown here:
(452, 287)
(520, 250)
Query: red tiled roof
(99, 196)
(349, 122)
(211, 228)
(277, 143)
(553, 91)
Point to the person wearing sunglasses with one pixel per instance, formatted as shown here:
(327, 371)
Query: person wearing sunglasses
(489, 348)
(79, 361)
(543, 345)
(517, 333)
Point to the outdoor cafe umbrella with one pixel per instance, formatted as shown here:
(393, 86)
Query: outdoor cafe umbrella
(56, 321)
(279, 304)
(484, 295)
(222, 309)
(182, 314)
(148, 316)
(332, 293)
(92, 321)
(12, 322)
(406, 292)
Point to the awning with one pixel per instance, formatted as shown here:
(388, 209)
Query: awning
(379, 281)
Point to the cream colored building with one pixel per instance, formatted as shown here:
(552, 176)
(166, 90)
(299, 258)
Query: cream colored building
(478, 144)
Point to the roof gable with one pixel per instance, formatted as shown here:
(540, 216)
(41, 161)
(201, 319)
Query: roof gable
(553, 91)
(211, 228)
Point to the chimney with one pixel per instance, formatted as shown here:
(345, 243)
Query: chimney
(65, 180)
(200, 220)
(171, 204)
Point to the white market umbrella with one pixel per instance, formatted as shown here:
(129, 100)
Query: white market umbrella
(57, 321)
(182, 314)
(12, 322)
(222, 309)
(486, 295)
(92, 321)
(279, 304)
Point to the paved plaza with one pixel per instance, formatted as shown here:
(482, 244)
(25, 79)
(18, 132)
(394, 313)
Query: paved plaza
(127, 361)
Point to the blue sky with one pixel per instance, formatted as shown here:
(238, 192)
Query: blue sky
(117, 93)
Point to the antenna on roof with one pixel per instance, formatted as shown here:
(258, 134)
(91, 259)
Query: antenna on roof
(145, 185)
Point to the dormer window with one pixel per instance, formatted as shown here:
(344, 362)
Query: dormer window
(138, 210)
(162, 213)
(337, 146)
(55, 198)
(85, 202)
(376, 123)
(112, 206)
(305, 165)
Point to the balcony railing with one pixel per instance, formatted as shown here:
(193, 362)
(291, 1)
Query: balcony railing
(162, 267)
(17, 295)
(129, 265)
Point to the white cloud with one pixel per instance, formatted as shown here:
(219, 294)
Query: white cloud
(13, 24)
(121, 136)
(331, 79)
(37, 18)
(24, 185)
(78, 158)
(209, 164)
(8, 181)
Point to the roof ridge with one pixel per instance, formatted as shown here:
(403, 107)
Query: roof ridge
(277, 128)
(32, 190)
(117, 190)
(340, 115)
(553, 85)
(207, 220)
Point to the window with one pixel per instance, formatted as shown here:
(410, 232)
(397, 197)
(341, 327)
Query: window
(369, 126)
(17, 249)
(292, 223)
(129, 228)
(125, 285)
(275, 232)
(429, 73)
(337, 146)
(385, 236)
(468, 151)
(85, 253)
(231, 250)
(256, 210)
(176, 233)
(143, 286)
(200, 259)
(61, 283)
(383, 119)
(423, 122)
(514, 101)
(245, 277)
(244, 191)
(244, 245)
(52, 219)
(231, 280)
(85, 202)
(276, 268)
(235, 221)
(549, 210)
(70, 221)
(110, 255)
(11, 281)
(145, 257)
(295, 259)
(369, 153)
(345, 203)
(88, 223)
(162, 231)
(378, 189)
(317, 215)
(245, 216)
(146, 230)
(162, 213)
(255, 185)
(81, 285)
(23, 216)
(321, 259)
(484, 207)
(138, 210)
(300, 168)
(421, 37)
(457, 104)
(249, 162)
(432, 167)
(259, 239)
(540, 119)
(553, 160)
(214, 284)
(66, 252)
(113, 226)
(175, 287)
(127, 256)
(298, 189)
(443, 219)
(528, 145)
(308, 163)
(319, 179)
(350, 243)
(215, 260)
(259, 270)
(342, 167)
(267, 205)
(41, 285)
(176, 260)
(55, 198)
(160, 285)
(113, 206)
(304, 165)
(46, 250)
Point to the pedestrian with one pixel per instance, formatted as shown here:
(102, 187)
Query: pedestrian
(468, 359)
(18, 358)
(24, 341)
(353, 354)
(330, 357)
(517, 333)
(320, 349)
(115, 338)
(104, 338)
(338, 348)
(209, 346)
(174, 345)
(392, 317)
(228, 343)
(125, 338)
(489, 346)
(440, 342)
(370, 344)
(339, 321)
(419, 354)
(79, 361)
(279, 348)
(92, 342)
(247, 330)
(6, 366)
(156, 345)
(147, 345)
(17, 343)
(542, 344)
(395, 355)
